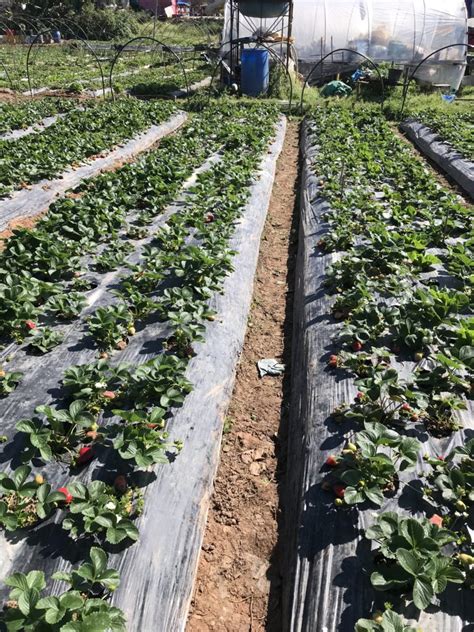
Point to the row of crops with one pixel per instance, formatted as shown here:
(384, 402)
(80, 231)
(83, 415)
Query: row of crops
(113, 291)
(453, 125)
(62, 66)
(82, 133)
(15, 116)
(393, 281)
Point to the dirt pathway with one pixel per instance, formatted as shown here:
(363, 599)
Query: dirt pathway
(238, 569)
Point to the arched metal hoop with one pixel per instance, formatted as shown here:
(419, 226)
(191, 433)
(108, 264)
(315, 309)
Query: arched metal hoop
(406, 85)
(30, 48)
(166, 48)
(340, 50)
(272, 53)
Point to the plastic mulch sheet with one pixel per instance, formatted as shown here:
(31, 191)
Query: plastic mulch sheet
(442, 153)
(327, 564)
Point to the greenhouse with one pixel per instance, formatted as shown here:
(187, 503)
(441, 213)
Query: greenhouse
(403, 32)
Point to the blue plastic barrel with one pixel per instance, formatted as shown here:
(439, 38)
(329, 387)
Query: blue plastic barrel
(255, 71)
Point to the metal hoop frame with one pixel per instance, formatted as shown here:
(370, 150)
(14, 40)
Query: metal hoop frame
(30, 48)
(406, 85)
(151, 39)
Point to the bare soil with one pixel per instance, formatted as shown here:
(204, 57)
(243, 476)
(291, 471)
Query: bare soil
(237, 587)
(19, 222)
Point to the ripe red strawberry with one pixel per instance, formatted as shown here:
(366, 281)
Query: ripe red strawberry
(437, 520)
(29, 324)
(339, 490)
(68, 497)
(406, 407)
(331, 461)
(120, 483)
(356, 345)
(332, 360)
(108, 395)
(86, 454)
(209, 217)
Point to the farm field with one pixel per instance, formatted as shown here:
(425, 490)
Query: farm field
(236, 346)
(81, 67)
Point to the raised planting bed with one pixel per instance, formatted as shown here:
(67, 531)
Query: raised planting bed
(453, 123)
(450, 158)
(73, 139)
(159, 396)
(26, 114)
(379, 502)
(163, 81)
(37, 198)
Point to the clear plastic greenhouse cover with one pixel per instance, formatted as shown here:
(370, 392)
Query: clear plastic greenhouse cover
(403, 31)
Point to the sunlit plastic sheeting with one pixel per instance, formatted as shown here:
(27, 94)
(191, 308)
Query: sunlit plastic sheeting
(403, 31)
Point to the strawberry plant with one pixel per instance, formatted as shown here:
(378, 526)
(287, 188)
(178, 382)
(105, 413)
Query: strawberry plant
(61, 431)
(44, 339)
(368, 469)
(411, 557)
(451, 484)
(109, 326)
(66, 306)
(136, 232)
(388, 621)
(442, 374)
(159, 381)
(383, 398)
(142, 438)
(98, 510)
(137, 302)
(76, 610)
(113, 256)
(9, 381)
(24, 502)
(89, 382)
(440, 416)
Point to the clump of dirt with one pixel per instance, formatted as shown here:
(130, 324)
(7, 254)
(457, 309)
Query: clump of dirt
(237, 571)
